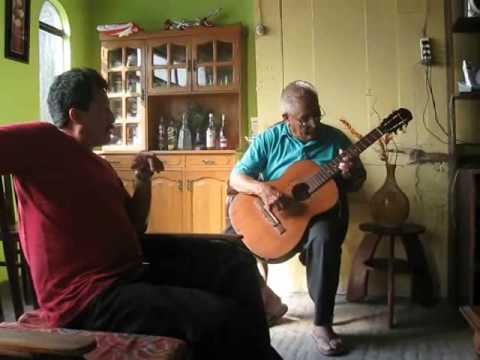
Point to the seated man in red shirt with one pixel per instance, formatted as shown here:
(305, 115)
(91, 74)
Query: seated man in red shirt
(79, 231)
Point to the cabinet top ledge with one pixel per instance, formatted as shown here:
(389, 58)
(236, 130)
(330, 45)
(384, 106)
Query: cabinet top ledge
(144, 35)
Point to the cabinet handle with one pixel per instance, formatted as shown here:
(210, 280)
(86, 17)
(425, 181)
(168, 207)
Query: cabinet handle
(194, 64)
(180, 185)
(189, 185)
(113, 162)
(209, 162)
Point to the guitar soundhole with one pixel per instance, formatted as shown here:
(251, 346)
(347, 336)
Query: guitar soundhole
(300, 192)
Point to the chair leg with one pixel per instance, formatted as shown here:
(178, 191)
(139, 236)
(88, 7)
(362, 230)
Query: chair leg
(28, 294)
(10, 251)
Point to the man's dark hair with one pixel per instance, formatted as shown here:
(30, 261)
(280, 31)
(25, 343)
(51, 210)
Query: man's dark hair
(75, 88)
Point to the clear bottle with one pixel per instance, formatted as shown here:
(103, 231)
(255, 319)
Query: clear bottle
(222, 139)
(184, 135)
(210, 134)
(162, 134)
(171, 135)
(199, 145)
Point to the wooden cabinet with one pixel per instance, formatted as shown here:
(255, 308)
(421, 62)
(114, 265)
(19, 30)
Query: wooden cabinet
(167, 213)
(205, 201)
(123, 68)
(467, 232)
(165, 75)
(462, 39)
(190, 195)
(194, 63)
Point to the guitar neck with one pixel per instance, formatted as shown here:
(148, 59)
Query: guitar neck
(331, 169)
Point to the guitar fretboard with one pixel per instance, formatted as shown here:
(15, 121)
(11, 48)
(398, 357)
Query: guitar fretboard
(331, 169)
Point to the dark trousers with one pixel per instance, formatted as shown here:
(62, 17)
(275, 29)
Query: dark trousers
(205, 292)
(321, 255)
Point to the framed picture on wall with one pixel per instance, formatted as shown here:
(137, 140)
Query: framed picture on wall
(17, 29)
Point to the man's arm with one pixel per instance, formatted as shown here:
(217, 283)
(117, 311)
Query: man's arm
(247, 184)
(144, 165)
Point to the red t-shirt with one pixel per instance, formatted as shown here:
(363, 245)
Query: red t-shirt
(74, 226)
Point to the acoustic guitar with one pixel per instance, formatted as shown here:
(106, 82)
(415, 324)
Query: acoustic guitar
(308, 189)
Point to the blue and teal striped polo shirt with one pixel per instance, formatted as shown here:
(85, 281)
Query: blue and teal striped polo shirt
(274, 150)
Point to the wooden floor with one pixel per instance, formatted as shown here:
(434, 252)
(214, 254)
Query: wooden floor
(437, 333)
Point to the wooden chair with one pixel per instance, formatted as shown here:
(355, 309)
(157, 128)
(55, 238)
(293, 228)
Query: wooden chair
(17, 269)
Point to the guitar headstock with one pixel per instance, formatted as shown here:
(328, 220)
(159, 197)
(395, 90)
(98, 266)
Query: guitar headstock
(397, 120)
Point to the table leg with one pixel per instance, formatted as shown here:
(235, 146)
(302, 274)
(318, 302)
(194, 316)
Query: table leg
(358, 279)
(391, 282)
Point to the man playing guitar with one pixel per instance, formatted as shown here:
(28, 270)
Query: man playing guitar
(301, 136)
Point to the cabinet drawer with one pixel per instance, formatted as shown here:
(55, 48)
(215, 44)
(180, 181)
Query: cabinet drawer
(172, 161)
(210, 161)
(119, 161)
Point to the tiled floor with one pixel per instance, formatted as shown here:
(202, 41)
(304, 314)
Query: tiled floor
(437, 333)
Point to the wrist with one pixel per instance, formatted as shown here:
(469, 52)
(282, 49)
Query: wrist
(143, 176)
(258, 188)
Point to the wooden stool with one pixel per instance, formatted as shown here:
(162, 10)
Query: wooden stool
(416, 264)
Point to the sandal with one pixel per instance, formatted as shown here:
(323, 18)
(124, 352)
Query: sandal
(329, 346)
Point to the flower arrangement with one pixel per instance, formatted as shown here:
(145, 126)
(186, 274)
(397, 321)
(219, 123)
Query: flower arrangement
(384, 144)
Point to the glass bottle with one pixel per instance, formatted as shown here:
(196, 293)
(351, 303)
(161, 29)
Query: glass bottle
(162, 134)
(210, 134)
(199, 145)
(222, 139)
(171, 135)
(184, 135)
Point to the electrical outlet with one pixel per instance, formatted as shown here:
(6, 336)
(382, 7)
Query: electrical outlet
(425, 51)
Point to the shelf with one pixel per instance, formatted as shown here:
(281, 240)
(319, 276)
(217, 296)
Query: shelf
(467, 25)
(474, 95)
(400, 266)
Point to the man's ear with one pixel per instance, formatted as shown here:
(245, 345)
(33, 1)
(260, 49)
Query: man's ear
(75, 116)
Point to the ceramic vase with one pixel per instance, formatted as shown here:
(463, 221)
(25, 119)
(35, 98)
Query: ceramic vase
(390, 206)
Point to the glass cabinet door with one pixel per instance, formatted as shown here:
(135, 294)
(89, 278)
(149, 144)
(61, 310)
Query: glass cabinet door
(169, 66)
(214, 64)
(122, 66)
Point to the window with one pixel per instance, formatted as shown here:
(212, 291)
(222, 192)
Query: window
(54, 49)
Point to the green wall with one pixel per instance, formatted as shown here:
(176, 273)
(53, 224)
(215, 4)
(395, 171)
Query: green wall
(19, 87)
(19, 82)
(151, 15)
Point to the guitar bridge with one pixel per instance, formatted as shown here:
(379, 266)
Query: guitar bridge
(270, 216)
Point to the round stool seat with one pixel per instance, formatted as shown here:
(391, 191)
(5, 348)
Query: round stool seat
(403, 229)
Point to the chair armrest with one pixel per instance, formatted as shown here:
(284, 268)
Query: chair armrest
(29, 342)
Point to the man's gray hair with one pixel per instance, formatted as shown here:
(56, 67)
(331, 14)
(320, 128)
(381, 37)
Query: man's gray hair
(294, 93)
